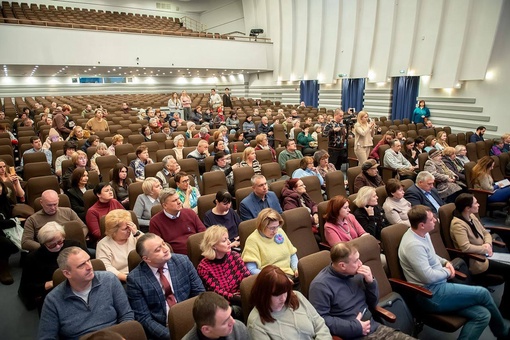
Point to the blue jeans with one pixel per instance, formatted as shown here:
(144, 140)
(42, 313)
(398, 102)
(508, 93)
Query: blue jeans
(472, 302)
(500, 195)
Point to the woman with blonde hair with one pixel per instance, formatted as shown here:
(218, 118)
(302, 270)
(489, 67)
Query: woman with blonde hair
(364, 130)
(269, 244)
(369, 214)
(121, 236)
(263, 144)
(222, 269)
(151, 188)
(116, 140)
(250, 159)
(441, 143)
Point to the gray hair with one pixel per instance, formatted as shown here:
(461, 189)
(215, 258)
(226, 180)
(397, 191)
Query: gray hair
(423, 176)
(166, 159)
(394, 141)
(256, 177)
(50, 231)
(64, 256)
(165, 193)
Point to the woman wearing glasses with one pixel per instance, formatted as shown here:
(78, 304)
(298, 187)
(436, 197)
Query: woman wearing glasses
(269, 244)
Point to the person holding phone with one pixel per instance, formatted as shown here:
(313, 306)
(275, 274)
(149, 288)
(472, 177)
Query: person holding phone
(221, 164)
(8, 175)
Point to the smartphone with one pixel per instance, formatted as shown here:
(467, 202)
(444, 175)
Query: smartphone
(12, 170)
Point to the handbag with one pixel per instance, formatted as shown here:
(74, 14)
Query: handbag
(14, 234)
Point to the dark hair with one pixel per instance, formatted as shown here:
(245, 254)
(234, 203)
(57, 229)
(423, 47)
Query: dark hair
(333, 209)
(34, 138)
(180, 175)
(481, 127)
(418, 140)
(92, 139)
(237, 134)
(141, 149)
(417, 215)
(99, 187)
(429, 139)
(464, 201)
(116, 179)
(218, 156)
(69, 145)
(409, 140)
(216, 142)
(223, 196)
(286, 143)
(271, 281)
(392, 185)
(205, 306)
(76, 176)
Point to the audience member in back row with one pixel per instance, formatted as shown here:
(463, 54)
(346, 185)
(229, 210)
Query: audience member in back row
(341, 226)
(223, 214)
(144, 202)
(369, 214)
(424, 193)
(120, 183)
(121, 236)
(79, 184)
(105, 203)
(175, 224)
(294, 195)
(268, 244)
(221, 269)
(50, 212)
(167, 174)
(259, 199)
(87, 301)
(396, 206)
(37, 276)
(341, 293)
(478, 135)
(160, 281)
(280, 312)
(138, 164)
(369, 176)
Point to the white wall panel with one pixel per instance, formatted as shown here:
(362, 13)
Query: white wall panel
(274, 28)
(365, 26)
(382, 40)
(347, 37)
(403, 36)
(481, 33)
(224, 17)
(300, 38)
(329, 22)
(287, 42)
(450, 44)
(314, 36)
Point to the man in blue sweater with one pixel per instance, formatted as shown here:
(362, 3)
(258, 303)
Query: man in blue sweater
(259, 199)
(86, 302)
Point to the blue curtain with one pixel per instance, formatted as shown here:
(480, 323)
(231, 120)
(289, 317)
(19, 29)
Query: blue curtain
(309, 92)
(405, 91)
(352, 93)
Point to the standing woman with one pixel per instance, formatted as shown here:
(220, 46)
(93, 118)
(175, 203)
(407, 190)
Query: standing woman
(421, 113)
(120, 183)
(186, 105)
(174, 104)
(363, 136)
(79, 184)
(280, 312)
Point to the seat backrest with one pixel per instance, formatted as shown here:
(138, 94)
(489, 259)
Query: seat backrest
(133, 260)
(309, 266)
(129, 330)
(335, 184)
(437, 242)
(472, 153)
(152, 169)
(160, 154)
(34, 157)
(36, 169)
(136, 140)
(291, 165)
(277, 187)
(264, 156)
(134, 190)
(105, 163)
(245, 289)
(193, 245)
(422, 158)
(352, 173)
(180, 318)
(74, 231)
(313, 188)
(190, 166)
(246, 228)
(241, 195)
(481, 148)
(58, 276)
(89, 199)
(452, 140)
(242, 177)
(391, 237)
(213, 182)
(271, 171)
(37, 185)
(445, 219)
(298, 227)
(122, 150)
(321, 210)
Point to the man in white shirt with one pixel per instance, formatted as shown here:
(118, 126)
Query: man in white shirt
(215, 100)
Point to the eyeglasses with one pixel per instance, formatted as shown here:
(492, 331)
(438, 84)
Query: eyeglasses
(273, 229)
(55, 244)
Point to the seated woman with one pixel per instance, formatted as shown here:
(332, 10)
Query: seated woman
(409, 151)
(369, 176)
(295, 125)
(232, 122)
(79, 160)
(222, 269)
(53, 136)
(263, 144)
(151, 188)
(306, 168)
(269, 244)
(249, 128)
(178, 146)
(147, 133)
(223, 214)
(306, 140)
(97, 123)
(101, 150)
(77, 134)
(37, 277)
(294, 196)
(419, 145)
(250, 159)
(120, 183)
(469, 236)
(190, 129)
(396, 206)
(340, 225)
(221, 164)
(442, 138)
(497, 147)
(280, 312)
(79, 184)
(482, 179)
(239, 137)
(8, 175)
(121, 236)
(449, 159)
(445, 179)
(321, 159)
(187, 194)
(430, 143)
(461, 152)
(170, 168)
(369, 214)
(219, 146)
(116, 140)
(103, 206)
(138, 164)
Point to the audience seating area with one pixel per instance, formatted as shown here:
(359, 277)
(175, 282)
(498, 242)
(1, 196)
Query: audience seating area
(42, 15)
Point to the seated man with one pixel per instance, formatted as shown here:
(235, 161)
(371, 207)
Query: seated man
(50, 212)
(424, 193)
(290, 152)
(478, 135)
(422, 266)
(200, 153)
(69, 149)
(37, 147)
(87, 301)
(394, 159)
(160, 281)
(213, 320)
(175, 224)
(343, 291)
(259, 199)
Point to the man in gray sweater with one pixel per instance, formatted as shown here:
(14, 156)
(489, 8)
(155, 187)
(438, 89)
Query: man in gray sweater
(213, 320)
(423, 267)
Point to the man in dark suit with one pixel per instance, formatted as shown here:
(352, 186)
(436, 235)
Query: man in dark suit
(424, 193)
(158, 282)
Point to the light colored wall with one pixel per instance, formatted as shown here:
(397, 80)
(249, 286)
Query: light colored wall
(224, 16)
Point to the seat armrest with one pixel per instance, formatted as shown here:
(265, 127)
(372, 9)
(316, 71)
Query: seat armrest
(386, 314)
(460, 275)
(466, 256)
(324, 246)
(410, 287)
(480, 191)
(22, 210)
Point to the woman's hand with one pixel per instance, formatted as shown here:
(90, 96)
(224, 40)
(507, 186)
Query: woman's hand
(132, 226)
(369, 210)
(48, 285)
(315, 218)
(488, 249)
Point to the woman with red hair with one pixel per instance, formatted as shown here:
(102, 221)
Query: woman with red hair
(341, 225)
